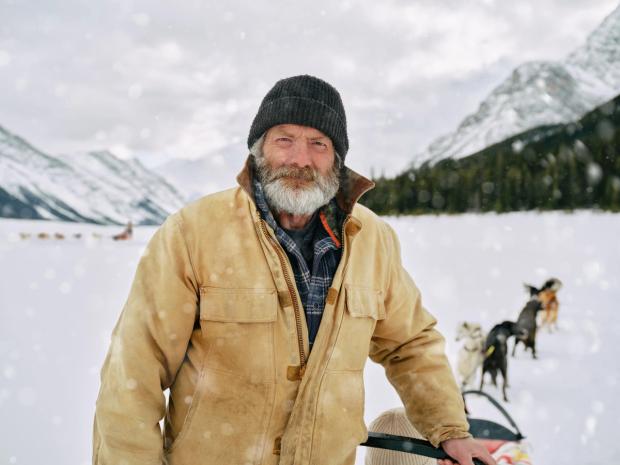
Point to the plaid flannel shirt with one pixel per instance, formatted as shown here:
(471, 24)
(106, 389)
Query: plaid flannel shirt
(312, 284)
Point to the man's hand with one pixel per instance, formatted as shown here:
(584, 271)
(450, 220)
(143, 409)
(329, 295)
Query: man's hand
(464, 450)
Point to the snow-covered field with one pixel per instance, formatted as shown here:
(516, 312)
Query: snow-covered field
(59, 300)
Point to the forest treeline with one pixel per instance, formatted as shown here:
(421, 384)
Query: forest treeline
(557, 167)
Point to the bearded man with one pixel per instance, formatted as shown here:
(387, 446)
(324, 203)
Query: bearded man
(258, 307)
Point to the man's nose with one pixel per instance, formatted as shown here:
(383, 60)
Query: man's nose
(300, 154)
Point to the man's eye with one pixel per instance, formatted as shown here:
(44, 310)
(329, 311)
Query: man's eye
(319, 143)
(283, 139)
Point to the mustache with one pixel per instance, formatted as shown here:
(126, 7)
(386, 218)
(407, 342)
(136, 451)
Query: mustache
(305, 174)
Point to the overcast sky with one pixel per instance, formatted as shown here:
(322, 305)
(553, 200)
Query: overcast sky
(163, 80)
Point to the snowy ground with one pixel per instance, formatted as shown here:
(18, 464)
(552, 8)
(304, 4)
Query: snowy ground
(60, 299)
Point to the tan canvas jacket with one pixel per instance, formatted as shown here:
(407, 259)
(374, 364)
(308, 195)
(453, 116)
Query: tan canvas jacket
(213, 314)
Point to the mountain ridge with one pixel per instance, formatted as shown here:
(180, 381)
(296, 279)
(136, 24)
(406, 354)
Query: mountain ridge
(94, 186)
(538, 93)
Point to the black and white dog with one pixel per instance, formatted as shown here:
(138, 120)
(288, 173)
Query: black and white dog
(496, 353)
(528, 326)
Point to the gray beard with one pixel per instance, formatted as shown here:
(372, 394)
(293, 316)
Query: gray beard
(303, 200)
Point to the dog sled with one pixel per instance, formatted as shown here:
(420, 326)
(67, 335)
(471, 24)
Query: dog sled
(505, 444)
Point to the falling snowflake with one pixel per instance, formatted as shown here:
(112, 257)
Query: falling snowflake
(517, 146)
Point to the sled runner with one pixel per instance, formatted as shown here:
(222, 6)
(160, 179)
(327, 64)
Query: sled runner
(505, 445)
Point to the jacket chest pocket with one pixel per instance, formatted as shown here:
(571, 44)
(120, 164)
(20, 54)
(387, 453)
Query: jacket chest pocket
(363, 308)
(238, 328)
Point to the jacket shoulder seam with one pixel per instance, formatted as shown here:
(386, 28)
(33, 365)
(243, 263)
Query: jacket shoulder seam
(178, 221)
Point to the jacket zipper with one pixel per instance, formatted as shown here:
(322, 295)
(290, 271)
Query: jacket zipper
(291, 290)
(289, 285)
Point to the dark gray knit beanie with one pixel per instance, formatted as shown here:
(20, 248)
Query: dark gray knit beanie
(304, 100)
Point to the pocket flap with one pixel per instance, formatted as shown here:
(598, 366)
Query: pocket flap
(365, 302)
(238, 305)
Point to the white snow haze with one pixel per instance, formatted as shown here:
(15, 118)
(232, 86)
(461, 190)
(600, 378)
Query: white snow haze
(181, 82)
(120, 111)
(59, 300)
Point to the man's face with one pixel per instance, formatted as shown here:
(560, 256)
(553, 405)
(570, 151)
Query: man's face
(301, 146)
(298, 169)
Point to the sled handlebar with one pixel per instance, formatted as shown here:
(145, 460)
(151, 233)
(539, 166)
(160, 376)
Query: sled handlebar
(501, 409)
(408, 445)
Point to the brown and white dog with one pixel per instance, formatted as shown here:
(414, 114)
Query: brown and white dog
(471, 354)
(547, 295)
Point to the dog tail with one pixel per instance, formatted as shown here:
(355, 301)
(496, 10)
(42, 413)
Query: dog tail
(531, 289)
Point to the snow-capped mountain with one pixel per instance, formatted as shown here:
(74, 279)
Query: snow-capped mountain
(596, 64)
(91, 187)
(540, 93)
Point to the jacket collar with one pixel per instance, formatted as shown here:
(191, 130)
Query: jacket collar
(352, 185)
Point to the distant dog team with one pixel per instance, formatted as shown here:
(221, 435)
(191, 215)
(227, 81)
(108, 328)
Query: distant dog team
(491, 352)
(126, 234)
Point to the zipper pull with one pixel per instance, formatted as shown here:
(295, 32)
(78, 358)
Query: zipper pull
(295, 373)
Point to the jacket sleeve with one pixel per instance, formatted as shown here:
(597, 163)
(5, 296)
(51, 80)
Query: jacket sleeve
(411, 350)
(148, 345)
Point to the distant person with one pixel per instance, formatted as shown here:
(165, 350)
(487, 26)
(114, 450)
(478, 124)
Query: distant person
(126, 234)
(258, 307)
